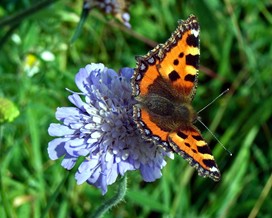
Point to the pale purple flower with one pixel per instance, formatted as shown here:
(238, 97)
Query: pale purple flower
(116, 8)
(100, 128)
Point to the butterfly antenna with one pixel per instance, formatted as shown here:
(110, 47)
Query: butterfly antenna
(215, 137)
(207, 127)
(223, 93)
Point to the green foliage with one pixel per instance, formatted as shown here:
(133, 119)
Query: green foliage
(38, 62)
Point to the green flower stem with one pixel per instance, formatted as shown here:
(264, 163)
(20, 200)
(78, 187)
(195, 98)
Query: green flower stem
(13, 21)
(53, 197)
(19, 17)
(6, 204)
(107, 205)
(83, 17)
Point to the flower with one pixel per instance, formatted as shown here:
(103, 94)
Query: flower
(101, 129)
(8, 111)
(116, 8)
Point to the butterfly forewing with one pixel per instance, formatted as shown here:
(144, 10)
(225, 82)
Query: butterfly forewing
(181, 57)
(192, 147)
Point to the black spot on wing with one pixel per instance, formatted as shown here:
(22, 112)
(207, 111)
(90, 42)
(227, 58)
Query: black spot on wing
(192, 41)
(209, 163)
(192, 60)
(194, 151)
(173, 76)
(204, 149)
(187, 144)
(190, 78)
(182, 135)
(197, 137)
(181, 54)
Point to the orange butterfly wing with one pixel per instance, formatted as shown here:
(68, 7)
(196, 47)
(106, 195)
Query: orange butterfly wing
(192, 147)
(144, 76)
(181, 57)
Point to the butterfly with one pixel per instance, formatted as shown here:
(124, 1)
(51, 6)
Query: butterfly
(164, 84)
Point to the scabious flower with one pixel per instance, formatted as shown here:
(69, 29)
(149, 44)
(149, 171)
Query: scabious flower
(117, 8)
(100, 128)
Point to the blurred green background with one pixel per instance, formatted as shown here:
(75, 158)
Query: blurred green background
(37, 63)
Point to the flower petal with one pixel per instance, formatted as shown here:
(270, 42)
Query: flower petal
(150, 174)
(76, 100)
(59, 130)
(64, 112)
(68, 162)
(56, 148)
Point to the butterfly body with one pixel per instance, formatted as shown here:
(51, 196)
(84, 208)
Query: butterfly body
(166, 109)
(164, 84)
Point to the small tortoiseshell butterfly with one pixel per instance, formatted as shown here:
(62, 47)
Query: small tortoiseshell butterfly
(164, 84)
